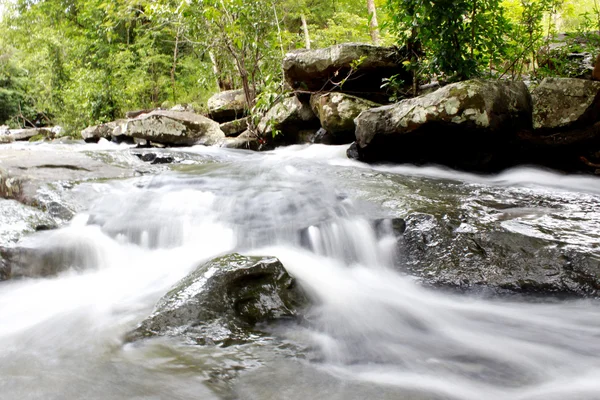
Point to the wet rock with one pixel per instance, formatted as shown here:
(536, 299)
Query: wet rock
(49, 253)
(154, 158)
(222, 300)
(467, 125)
(324, 69)
(337, 112)
(173, 128)
(234, 128)
(286, 119)
(446, 255)
(227, 106)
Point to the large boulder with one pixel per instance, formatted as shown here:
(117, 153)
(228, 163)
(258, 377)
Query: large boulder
(495, 261)
(173, 128)
(228, 105)
(286, 120)
(565, 103)
(364, 65)
(566, 122)
(337, 112)
(467, 125)
(222, 300)
(30, 133)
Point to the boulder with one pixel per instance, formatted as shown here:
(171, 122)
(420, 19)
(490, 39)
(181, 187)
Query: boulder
(324, 69)
(245, 141)
(93, 134)
(563, 103)
(223, 299)
(469, 125)
(29, 133)
(172, 128)
(228, 105)
(337, 112)
(183, 108)
(286, 119)
(566, 122)
(5, 139)
(235, 127)
(496, 261)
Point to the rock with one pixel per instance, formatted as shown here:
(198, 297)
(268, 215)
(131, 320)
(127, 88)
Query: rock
(5, 139)
(566, 118)
(560, 103)
(154, 158)
(183, 108)
(317, 70)
(27, 134)
(93, 134)
(234, 128)
(245, 141)
(596, 71)
(228, 105)
(467, 125)
(173, 128)
(137, 113)
(222, 300)
(337, 112)
(286, 119)
(495, 260)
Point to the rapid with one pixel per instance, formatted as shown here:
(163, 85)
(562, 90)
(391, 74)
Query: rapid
(373, 332)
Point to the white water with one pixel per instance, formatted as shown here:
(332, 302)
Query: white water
(372, 334)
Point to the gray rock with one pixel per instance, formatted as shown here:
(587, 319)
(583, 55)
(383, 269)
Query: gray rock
(93, 134)
(245, 141)
(173, 128)
(318, 70)
(466, 125)
(137, 113)
(286, 119)
(222, 300)
(235, 127)
(29, 133)
(337, 112)
(495, 261)
(227, 106)
(183, 108)
(560, 103)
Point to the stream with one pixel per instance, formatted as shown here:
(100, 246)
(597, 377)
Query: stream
(374, 331)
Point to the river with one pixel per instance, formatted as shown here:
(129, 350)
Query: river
(373, 332)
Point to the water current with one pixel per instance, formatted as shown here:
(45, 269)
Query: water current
(373, 332)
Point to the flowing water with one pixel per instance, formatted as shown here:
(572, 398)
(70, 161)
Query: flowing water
(373, 333)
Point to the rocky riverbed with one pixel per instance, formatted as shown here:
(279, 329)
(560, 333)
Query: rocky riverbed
(410, 282)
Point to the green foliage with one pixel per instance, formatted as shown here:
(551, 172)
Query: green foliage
(459, 39)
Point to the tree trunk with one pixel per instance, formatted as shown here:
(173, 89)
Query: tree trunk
(373, 25)
(174, 68)
(305, 30)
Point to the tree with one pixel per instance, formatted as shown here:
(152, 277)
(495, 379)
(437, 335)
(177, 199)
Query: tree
(373, 25)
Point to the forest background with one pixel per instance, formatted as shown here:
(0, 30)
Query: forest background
(82, 62)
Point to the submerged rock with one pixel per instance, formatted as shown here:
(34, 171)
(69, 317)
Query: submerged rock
(228, 105)
(337, 112)
(173, 128)
(222, 300)
(494, 260)
(364, 65)
(466, 125)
